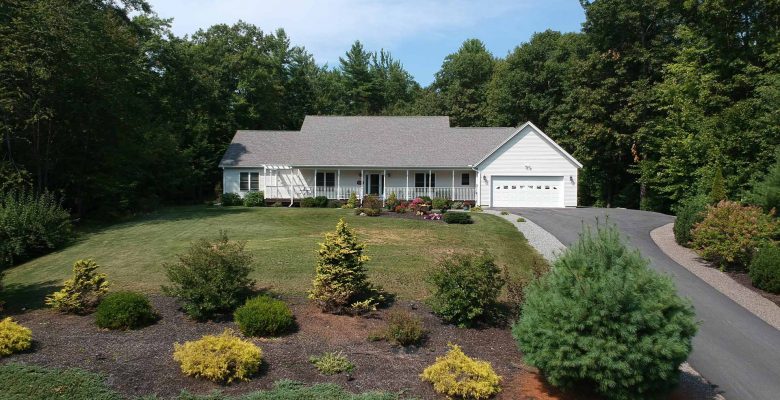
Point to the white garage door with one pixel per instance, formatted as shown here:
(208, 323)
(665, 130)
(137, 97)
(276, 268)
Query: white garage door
(527, 191)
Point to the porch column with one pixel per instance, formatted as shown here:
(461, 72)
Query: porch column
(338, 184)
(362, 185)
(430, 178)
(452, 195)
(315, 182)
(407, 184)
(265, 182)
(292, 186)
(384, 186)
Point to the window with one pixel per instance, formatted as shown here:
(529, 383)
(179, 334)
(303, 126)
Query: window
(422, 179)
(327, 179)
(464, 179)
(249, 181)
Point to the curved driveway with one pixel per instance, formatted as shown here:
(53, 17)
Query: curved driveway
(734, 349)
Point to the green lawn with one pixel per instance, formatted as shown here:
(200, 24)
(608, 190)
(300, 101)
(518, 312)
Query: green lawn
(23, 382)
(283, 241)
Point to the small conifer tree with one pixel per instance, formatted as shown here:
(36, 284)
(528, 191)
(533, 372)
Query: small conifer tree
(718, 188)
(341, 282)
(83, 291)
(352, 202)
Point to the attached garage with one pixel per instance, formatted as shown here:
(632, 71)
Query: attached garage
(527, 170)
(527, 191)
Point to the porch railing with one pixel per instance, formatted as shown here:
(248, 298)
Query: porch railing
(457, 193)
(343, 192)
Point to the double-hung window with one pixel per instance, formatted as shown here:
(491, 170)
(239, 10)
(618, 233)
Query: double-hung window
(464, 179)
(423, 179)
(327, 179)
(249, 182)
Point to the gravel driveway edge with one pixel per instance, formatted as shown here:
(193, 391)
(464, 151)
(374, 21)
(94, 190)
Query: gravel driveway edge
(544, 242)
(755, 303)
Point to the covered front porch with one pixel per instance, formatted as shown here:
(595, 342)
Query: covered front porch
(292, 183)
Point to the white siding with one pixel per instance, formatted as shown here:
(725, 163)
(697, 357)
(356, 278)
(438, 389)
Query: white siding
(529, 154)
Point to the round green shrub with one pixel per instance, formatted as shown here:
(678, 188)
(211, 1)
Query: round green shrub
(765, 269)
(264, 316)
(230, 199)
(124, 310)
(465, 288)
(690, 212)
(458, 218)
(254, 199)
(601, 318)
(308, 202)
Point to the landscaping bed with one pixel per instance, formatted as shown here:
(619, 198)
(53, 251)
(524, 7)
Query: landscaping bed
(743, 278)
(140, 362)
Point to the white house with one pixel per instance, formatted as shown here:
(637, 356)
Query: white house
(411, 156)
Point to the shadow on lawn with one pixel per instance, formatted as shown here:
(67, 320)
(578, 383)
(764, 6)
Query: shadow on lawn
(165, 215)
(19, 298)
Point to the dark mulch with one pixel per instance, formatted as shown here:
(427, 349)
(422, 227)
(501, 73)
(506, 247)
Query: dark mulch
(140, 362)
(744, 279)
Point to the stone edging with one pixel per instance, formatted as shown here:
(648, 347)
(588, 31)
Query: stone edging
(750, 300)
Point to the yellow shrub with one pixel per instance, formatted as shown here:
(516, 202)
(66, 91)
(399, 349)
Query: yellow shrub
(219, 358)
(457, 375)
(13, 337)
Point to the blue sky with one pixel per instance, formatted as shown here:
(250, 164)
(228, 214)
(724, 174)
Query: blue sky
(418, 33)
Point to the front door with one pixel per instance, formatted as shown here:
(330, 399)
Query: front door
(375, 184)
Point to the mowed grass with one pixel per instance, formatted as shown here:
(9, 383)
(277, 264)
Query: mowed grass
(284, 244)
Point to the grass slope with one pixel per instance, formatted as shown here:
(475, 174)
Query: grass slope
(284, 242)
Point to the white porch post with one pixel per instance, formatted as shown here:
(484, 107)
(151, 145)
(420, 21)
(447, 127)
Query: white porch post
(407, 184)
(430, 178)
(362, 184)
(452, 195)
(315, 182)
(338, 184)
(384, 186)
(479, 189)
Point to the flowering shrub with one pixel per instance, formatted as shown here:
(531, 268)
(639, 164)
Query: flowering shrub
(392, 201)
(417, 202)
(219, 358)
(401, 208)
(432, 216)
(730, 232)
(458, 375)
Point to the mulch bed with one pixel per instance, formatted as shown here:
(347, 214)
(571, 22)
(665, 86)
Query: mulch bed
(409, 215)
(140, 362)
(744, 279)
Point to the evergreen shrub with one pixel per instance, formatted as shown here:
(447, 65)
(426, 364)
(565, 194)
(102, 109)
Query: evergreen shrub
(124, 310)
(765, 269)
(220, 358)
(465, 288)
(264, 316)
(341, 281)
(81, 293)
(601, 318)
(212, 277)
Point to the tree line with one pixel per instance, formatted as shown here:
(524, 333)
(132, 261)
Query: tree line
(104, 105)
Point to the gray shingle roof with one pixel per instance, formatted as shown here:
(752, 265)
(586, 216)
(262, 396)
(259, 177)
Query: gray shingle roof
(366, 141)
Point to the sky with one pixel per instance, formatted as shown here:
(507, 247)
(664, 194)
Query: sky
(417, 33)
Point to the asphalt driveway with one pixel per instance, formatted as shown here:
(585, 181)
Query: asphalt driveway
(734, 349)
